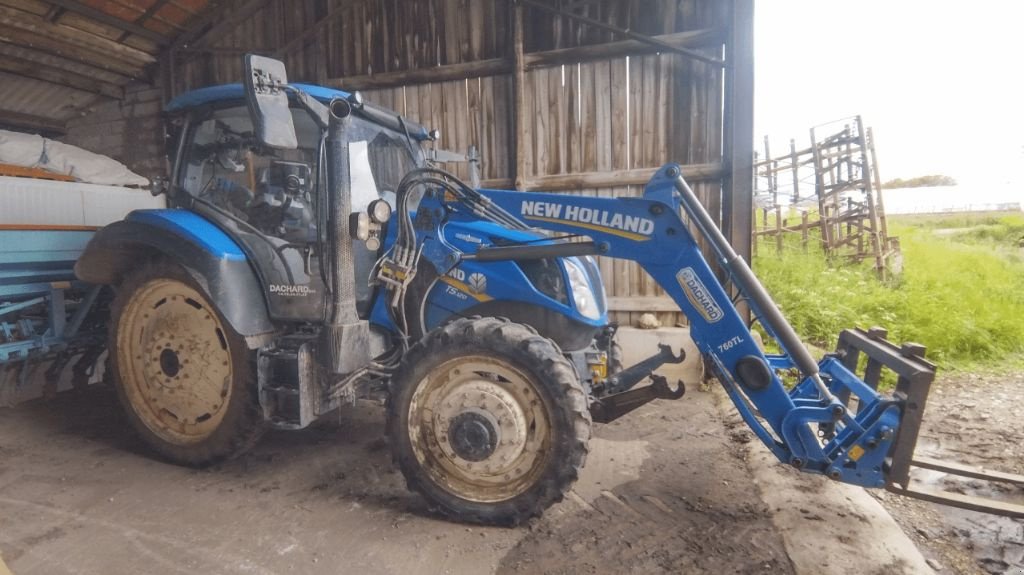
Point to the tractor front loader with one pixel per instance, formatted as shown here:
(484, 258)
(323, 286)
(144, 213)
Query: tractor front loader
(315, 256)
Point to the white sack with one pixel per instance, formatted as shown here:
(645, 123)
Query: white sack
(20, 149)
(33, 151)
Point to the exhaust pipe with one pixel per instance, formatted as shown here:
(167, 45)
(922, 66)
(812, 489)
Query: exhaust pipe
(339, 194)
(344, 340)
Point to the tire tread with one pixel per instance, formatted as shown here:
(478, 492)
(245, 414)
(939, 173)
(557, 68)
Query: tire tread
(553, 371)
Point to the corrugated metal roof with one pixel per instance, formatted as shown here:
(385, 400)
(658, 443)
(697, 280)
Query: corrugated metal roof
(43, 99)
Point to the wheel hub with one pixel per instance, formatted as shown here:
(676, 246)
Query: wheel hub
(477, 424)
(474, 435)
(169, 363)
(173, 361)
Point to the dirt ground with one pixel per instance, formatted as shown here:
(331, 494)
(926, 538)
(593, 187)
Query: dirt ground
(664, 490)
(973, 419)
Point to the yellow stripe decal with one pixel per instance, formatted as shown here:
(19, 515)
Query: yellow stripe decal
(465, 289)
(604, 229)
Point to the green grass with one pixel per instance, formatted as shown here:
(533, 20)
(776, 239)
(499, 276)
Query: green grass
(961, 293)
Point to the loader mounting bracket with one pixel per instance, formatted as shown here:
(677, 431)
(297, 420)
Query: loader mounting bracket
(611, 407)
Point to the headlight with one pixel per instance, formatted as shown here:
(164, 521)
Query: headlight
(546, 275)
(380, 211)
(582, 294)
(596, 282)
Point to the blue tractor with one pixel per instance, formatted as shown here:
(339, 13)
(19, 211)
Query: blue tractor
(313, 255)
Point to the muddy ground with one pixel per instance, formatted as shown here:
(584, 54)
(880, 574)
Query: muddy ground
(667, 490)
(977, 419)
(664, 491)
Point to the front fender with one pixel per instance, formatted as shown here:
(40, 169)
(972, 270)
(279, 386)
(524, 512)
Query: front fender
(216, 262)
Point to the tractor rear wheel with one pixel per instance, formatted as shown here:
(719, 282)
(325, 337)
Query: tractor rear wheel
(488, 421)
(184, 377)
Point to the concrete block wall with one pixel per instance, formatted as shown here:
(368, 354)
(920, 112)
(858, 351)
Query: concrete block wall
(128, 130)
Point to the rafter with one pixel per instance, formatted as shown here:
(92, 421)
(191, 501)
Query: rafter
(79, 39)
(36, 71)
(623, 32)
(109, 20)
(31, 122)
(149, 13)
(223, 17)
(61, 49)
(75, 67)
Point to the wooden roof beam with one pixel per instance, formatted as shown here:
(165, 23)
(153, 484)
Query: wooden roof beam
(149, 13)
(32, 122)
(70, 52)
(54, 14)
(610, 50)
(663, 46)
(43, 58)
(109, 20)
(221, 18)
(531, 61)
(77, 39)
(36, 71)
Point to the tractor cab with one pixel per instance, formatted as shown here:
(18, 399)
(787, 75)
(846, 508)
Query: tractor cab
(273, 202)
(271, 198)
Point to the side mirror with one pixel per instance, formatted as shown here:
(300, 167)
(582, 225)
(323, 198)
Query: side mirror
(264, 84)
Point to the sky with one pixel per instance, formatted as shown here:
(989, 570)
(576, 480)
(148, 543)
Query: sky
(940, 82)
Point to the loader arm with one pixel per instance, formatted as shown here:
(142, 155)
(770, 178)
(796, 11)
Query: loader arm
(650, 231)
(810, 425)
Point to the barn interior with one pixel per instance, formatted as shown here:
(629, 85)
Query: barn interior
(579, 97)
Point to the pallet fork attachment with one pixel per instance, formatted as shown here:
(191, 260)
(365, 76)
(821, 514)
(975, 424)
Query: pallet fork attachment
(915, 377)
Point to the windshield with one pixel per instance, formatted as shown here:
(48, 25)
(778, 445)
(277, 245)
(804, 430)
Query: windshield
(275, 190)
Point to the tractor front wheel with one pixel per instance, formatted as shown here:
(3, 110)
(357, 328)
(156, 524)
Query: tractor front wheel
(184, 377)
(488, 421)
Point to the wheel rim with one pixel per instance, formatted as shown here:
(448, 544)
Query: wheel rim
(479, 429)
(174, 362)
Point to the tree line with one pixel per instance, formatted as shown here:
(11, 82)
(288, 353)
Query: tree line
(920, 182)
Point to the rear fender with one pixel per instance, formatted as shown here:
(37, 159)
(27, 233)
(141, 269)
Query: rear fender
(216, 262)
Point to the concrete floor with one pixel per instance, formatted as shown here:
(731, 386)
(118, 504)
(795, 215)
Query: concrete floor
(79, 494)
(671, 488)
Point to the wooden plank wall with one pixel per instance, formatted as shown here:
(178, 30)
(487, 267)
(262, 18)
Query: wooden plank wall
(608, 115)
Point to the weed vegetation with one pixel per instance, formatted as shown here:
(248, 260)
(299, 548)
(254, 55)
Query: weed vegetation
(961, 293)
